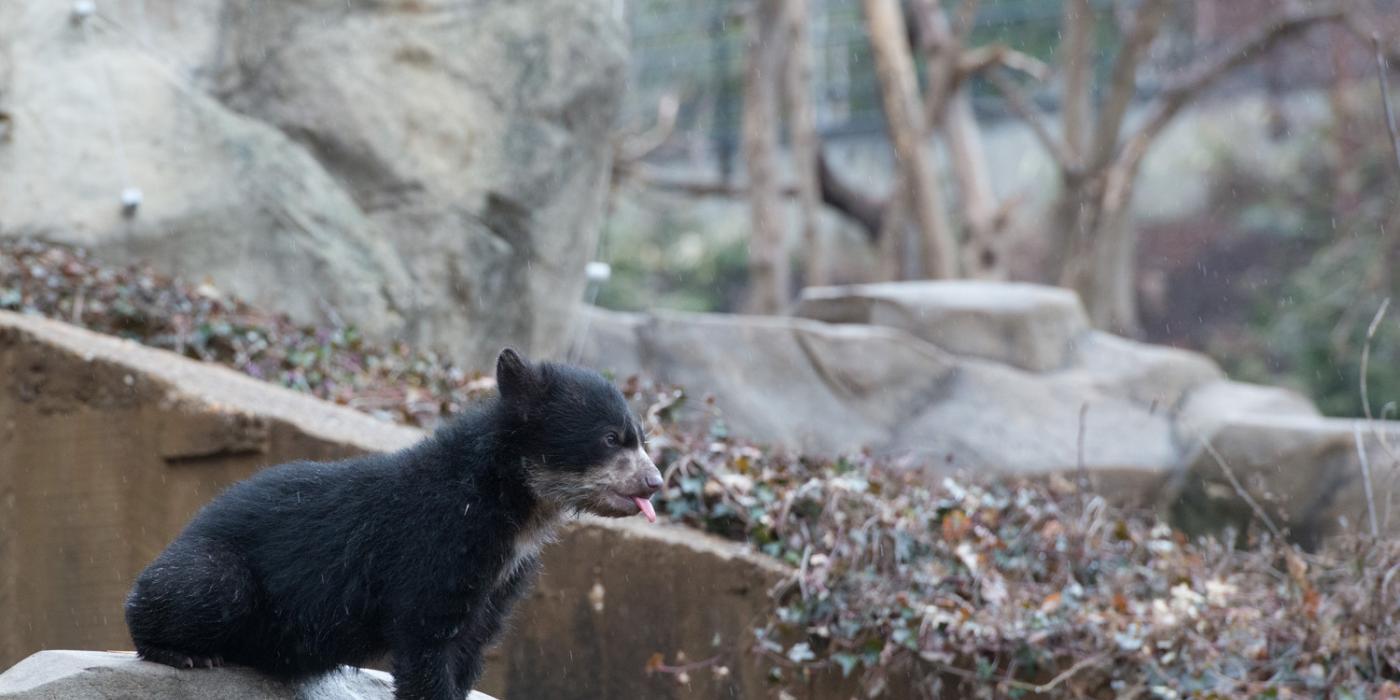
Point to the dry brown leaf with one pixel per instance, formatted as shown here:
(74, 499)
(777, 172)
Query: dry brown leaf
(655, 662)
(955, 526)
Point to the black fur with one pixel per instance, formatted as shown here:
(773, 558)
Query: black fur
(308, 566)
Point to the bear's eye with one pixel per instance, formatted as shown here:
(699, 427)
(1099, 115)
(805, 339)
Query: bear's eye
(612, 439)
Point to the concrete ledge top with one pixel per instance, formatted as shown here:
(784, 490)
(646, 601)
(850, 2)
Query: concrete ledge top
(215, 386)
(79, 675)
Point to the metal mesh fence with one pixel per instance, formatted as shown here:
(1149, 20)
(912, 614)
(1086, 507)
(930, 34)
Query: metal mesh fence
(694, 50)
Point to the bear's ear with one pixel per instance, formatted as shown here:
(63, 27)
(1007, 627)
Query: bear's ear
(515, 377)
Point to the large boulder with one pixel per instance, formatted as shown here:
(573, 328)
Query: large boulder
(833, 388)
(1008, 379)
(416, 167)
(1024, 325)
(797, 383)
(94, 112)
(1206, 409)
(94, 675)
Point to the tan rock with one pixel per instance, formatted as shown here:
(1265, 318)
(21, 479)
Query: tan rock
(793, 382)
(1031, 327)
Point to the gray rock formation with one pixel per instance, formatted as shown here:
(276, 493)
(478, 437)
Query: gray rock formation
(1022, 325)
(431, 169)
(1007, 379)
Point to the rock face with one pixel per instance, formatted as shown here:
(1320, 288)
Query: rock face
(420, 167)
(1006, 379)
(107, 448)
(80, 675)
(1022, 325)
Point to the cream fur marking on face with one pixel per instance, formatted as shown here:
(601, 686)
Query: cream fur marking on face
(618, 487)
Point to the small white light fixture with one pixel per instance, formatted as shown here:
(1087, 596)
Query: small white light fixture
(131, 201)
(82, 10)
(598, 272)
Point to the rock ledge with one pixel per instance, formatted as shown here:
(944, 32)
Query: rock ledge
(78, 675)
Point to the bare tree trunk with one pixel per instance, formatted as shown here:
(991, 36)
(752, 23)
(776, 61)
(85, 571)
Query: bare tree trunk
(894, 67)
(948, 110)
(1344, 143)
(1077, 66)
(1075, 221)
(1106, 236)
(1096, 252)
(893, 244)
(1104, 274)
(768, 268)
(984, 251)
(802, 124)
(1112, 281)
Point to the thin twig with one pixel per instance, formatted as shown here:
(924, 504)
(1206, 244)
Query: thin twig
(1240, 490)
(1382, 436)
(1022, 685)
(802, 572)
(1366, 480)
(1370, 334)
(1385, 99)
(1203, 73)
(1083, 470)
(1069, 672)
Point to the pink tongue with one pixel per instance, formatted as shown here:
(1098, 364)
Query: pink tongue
(647, 510)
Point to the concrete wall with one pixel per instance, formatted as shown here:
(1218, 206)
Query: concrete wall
(107, 448)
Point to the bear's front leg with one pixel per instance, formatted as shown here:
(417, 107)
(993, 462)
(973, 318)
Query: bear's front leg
(485, 625)
(421, 671)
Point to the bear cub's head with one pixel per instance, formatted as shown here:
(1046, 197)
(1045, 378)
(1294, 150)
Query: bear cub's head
(579, 443)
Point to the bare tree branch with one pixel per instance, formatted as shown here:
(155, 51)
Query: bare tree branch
(894, 66)
(865, 209)
(983, 58)
(1122, 84)
(964, 20)
(1020, 105)
(1381, 75)
(1076, 64)
(646, 176)
(1242, 492)
(1180, 91)
(636, 147)
(942, 51)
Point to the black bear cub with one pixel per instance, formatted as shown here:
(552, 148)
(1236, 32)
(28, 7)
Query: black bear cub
(308, 566)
